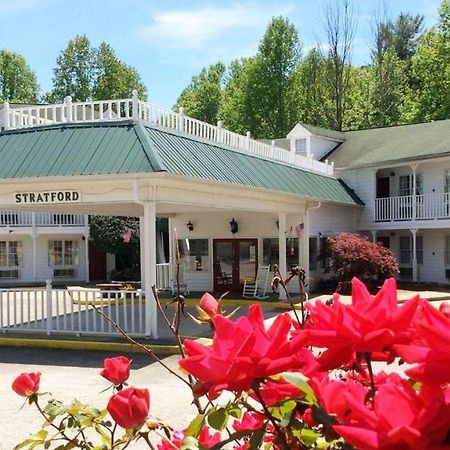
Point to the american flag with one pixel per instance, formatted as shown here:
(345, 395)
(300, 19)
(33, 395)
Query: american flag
(299, 229)
(126, 235)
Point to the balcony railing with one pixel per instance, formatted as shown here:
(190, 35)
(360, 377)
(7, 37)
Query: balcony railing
(413, 207)
(133, 108)
(28, 219)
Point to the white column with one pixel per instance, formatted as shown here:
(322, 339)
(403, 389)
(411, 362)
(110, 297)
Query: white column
(141, 250)
(172, 248)
(282, 249)
(414, 183)
(374, 236)
(86, 246)
(414, 254)
(33, 236)
(150, 268)
(304, 259)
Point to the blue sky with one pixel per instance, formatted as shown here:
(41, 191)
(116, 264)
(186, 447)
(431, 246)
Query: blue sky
(169, 41)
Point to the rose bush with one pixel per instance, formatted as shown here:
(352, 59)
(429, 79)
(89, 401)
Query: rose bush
(291, 385)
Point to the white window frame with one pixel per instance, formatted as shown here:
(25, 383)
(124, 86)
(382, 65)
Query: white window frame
(302, 149)
(9, 254)
(66, 249)
(407, 262)
(405, 187)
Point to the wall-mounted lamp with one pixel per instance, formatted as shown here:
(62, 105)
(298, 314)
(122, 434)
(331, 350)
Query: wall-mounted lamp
(278, 224)
(392, 234)
(190, 226)
(392, 174)
(234, 226)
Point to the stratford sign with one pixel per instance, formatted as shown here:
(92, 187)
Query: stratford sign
(28, 198)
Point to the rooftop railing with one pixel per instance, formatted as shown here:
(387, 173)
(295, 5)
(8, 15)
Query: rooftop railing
(27, 219)
(134, 108)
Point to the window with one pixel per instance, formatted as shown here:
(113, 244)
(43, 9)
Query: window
(10, 254)
(406, 250)
(447, 250)
(64, 273)
(62, 253)
(405, 185)
(300, 147)
(270, 252)
(313, 253)
(194, 254)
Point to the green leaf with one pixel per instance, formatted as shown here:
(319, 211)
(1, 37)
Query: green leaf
(234, 410)
(189, 443)
(299, 380)
(195, 426)
(309, 437)
(54, 410)
(218, 419)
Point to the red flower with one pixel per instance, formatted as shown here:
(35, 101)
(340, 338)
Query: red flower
(242, 351)
(208, 307)
(368, 325)
(130, 407)
(26, 384)
(445, 309)
(250, 421)
(205, 439)
(400, 417)
(432, 349)
(117, 370)
(274, 391)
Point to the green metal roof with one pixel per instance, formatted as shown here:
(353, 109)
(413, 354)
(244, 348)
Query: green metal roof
(131, 147)
(393, 144)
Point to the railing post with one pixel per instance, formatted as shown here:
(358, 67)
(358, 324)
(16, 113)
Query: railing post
(181, 119)
(219, 131)
(6, 115)
(247, 144)
(272, 150)
(48, 298)
(68, 102)
(135, 104)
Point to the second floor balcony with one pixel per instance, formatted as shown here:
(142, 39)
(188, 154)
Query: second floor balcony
(17, 219)
(413, 207)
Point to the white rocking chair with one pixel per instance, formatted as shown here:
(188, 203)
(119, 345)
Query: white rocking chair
(257, 287)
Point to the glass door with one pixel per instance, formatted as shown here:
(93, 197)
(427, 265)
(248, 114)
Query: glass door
(234, 261)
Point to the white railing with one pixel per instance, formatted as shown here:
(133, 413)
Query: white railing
(92, 111)
(163, 276)
(71, 311)
(28, 219)
(410, 207)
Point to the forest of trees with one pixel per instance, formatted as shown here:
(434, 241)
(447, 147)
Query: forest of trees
(407, 79)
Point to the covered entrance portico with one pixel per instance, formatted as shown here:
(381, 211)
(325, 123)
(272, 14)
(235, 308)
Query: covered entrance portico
(142, 167)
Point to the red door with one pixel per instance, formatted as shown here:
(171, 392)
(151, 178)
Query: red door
(234, 261)
(97, 263)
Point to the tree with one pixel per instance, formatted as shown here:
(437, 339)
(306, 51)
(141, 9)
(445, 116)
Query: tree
(84, 72)
(340, 26)
(18, 82)
(114, 78)
(430, 72)
(107, 234)
(202, 98)
(352, 255)
(75, 71)
(257, 89)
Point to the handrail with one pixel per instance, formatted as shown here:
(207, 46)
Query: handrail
(133, 108)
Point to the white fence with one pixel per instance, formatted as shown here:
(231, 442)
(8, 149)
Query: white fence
(71, 311)
(95, 111)
(413, 207)
(28, 219)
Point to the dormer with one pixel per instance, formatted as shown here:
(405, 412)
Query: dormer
(307, 140)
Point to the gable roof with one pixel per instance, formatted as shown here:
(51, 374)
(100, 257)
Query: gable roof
(132, 147)
(393, 144)
(324, 132)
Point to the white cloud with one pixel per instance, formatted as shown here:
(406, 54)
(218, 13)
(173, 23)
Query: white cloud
(195, 29)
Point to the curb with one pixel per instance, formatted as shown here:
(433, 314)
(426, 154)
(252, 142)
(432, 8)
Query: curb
(159, 349)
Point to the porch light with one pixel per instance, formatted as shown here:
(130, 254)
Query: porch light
(234, 226)
(190, 226)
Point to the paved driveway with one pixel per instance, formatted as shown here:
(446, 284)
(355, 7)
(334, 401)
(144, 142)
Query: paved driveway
(68, 374)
